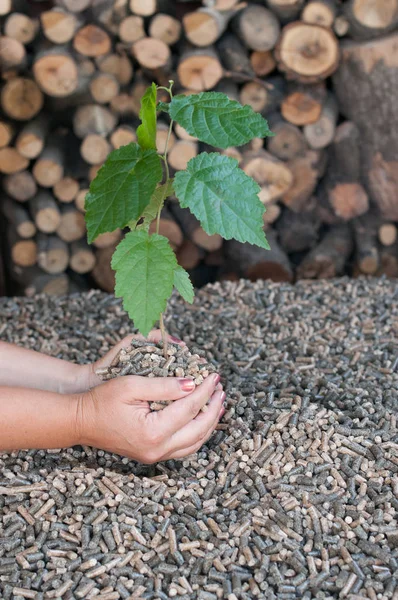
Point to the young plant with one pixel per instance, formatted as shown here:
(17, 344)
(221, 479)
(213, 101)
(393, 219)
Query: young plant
(131, 187)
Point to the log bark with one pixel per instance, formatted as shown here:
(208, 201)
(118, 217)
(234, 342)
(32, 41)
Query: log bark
(371, 18)
(58, 25)
(320, 134)
(104, 87)
(262, 62)
(11, 161)
(92, 41)
(273, 176)
(12, 54)
(329, 258)
(255, 263)
(30, 140)
(49, 167)
(303, 104)
(199, 69)
(102, 272)
(132, 29)
(286, 10)
(21, 99)
(320, 12)
(257, 27)
(66, 189)
(52, 254)
(234, 55)
(75, 6)
(45, 212)
(306, 171)
(181, 153)
(6, 133)
(82, 258)
(298, 231)
(93, 119)
(20, 186)
(95, 149)
(366, 245)
(368, 77)
(308, 53)
(288, 141)
(165, 28)
(56, 72)
(19, 218)
(72, 226)
(205, 26)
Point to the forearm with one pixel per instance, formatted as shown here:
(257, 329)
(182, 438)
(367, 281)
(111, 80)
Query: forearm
(33, 419)
(22, 367)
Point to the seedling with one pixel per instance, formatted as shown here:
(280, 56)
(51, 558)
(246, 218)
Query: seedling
(131, 188)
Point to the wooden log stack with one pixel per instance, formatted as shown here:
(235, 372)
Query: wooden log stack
(323, 72)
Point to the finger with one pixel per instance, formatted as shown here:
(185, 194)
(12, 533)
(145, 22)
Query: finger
(156, 336)
(197, 429)
(193, 449)
(177, 415)
(153, 389)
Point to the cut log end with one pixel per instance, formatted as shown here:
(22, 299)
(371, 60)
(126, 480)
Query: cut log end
(11, 161)
(21, 99)
(92, 41)
(349, 200)
(199, 71)
(151, 53)
(56, 74)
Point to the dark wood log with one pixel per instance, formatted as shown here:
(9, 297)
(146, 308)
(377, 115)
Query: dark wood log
(234, 55)
(286, 10)
(102, 272)
(255, 263)
(366, 244)
(19, 218)
(189, 255)
(298, 231)
(257, 27)
(367, 76)
(288, 141)
(20, 186)
(329, 258)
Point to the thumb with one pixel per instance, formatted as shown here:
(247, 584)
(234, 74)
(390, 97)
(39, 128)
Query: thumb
(152, 389)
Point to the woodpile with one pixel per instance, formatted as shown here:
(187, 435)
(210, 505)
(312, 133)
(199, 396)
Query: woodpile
(323, 72)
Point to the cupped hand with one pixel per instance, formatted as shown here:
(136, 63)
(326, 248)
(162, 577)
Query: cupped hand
(116, 416)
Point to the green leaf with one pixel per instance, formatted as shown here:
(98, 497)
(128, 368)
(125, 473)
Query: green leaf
(146, 132)
(158, 197)
(144, 266)
(222, 197)
(163, 107)
(216, 120)
(183, 284)
(122, 189)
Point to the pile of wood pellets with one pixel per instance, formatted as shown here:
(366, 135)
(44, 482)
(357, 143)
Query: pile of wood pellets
(295, 496)
(147, 360)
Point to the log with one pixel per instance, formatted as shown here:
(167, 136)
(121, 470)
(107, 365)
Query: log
(58, 25)
(152, 54)
(6, 133)
(45, 212)
(82, 258)
(122, 136)
(72, 226)
(192, 229)
(52, 254)
(49, 167)
(21, 99)
(93, 172)
(366, 245)
(321, 133)
(257, 27)
(189, 255)
(122, 105)
(104, 240)
(104, 87)
(23, 252)
(255, 263)
(366, 78)
(92, 41)
(80, 199)
(306, 170)
(263, 99)
(329, 258)
(162, 134)
(306, 52)
(169, 228)
(12, 54)
(388, 234)
(5, 7)
(302, 104)
(110, 14)
(320, 12)
(75, 6)
(181, 153)
(218, 4)
(234, 55)
(51, 285)
(234, 153)
(286, 10)
(182, 133)
(389, 261)
(30, 140)
(272, 175)
(118, 65)
(131, 29)
(20, 186)
(204, 26)
(93, 119)
(11, 161)
(102, 272)
(371, 18)
(262, 62)
(199, 69)
(288, 141)
(298, 231)
(95, 149)
(147, 8)
(348, 200)
(229, 88)
(19, 218)
(271, 214)
(165, 28)
(56, 72)
(66, 189)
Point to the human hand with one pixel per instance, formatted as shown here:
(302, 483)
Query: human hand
(116, 416)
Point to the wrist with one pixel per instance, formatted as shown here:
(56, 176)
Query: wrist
(77, 380)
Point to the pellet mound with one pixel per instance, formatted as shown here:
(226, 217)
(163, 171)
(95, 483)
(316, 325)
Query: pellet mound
(147, 360)
(294, 496)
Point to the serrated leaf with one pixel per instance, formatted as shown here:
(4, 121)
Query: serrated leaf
(144, 266)
(122, 189)
(183, 284)
(222, 197)
(163, 106)
(216, 120)
(150, 213)
(146, 132)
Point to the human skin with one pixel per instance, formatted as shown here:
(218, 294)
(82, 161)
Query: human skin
(46, 402)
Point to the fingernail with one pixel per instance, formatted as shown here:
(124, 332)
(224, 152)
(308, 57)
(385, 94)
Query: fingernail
(187, 385)
(175, 340)
(223, 397)
(222, 413)
(216, 379)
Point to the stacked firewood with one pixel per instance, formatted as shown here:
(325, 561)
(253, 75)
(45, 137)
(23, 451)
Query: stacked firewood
(323, 72)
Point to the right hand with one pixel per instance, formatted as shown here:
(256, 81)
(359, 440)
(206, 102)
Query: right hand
(116, 416)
